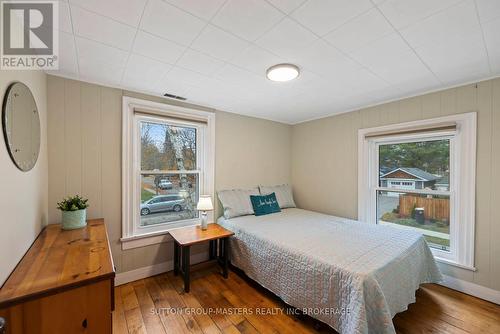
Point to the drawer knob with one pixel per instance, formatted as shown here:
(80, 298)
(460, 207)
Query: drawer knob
(2, 326)
(84, 323)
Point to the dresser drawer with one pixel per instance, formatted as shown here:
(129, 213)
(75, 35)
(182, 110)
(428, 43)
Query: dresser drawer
(86, 309)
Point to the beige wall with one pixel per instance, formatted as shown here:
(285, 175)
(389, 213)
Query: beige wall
(318, 157)
(324, 163)
(85, 157)
(23, 195)
(250, 152)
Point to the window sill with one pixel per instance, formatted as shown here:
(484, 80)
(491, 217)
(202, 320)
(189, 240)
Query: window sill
(137, 241)
(147, 239)
(455, 264)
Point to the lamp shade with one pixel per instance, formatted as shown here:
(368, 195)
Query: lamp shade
(205, 203)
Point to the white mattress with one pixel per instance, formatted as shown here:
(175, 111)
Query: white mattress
(353, 276)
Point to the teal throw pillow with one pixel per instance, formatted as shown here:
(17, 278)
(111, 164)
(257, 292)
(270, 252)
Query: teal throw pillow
(264, 204)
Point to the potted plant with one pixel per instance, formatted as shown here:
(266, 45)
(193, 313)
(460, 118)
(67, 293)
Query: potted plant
(74, 212)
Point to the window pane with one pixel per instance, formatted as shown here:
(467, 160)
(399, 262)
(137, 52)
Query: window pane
(427, 214)
(167, 147)
(416, 165)
(167, 198)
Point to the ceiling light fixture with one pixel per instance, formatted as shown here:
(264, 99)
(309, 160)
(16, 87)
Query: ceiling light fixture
(282, 72)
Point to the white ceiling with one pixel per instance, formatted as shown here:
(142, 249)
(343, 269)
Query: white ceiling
(352, 53)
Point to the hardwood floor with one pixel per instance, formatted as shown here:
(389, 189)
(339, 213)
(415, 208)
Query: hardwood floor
(437, 310)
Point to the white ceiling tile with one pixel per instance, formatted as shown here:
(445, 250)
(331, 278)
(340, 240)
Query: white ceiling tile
(379, 95)
(129, 13)
(218, 43)
(102, 29)
(454, 21)
(172, 87)
(184, 76)
(391, 44)
(416, 84)
(306, 82)
(287, 6)
(65, 18)
(403, 13)
(359, 31)
(488, 9)
(494, 54)
(457, 60)
(363, 81)
(322, 16)
(67, 55)
(94, 52)
(169, 22)
(325, 60)
(470, 70)
(91, 71)
(286, 38)
(144, 72)
(235, 75)
(393, 60)
(492, 38)
(157, 48)
(205, 9)
(491, 32)
(248, 19)
(256, 59)
(199, 62)
(228, 73)
(214, 88)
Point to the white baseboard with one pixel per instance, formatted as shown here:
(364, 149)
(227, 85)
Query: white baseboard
(472, 289)
(156, 269)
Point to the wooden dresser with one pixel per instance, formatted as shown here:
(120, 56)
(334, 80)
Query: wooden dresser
(64, 284)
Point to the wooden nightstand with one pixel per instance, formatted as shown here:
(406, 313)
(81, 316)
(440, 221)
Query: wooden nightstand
(185, 237)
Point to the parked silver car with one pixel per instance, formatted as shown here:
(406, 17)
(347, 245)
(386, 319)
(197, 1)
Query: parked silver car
(163, 203)
(165, 184)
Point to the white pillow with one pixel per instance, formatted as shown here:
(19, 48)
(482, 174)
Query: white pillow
(236, 202)
(283, 193)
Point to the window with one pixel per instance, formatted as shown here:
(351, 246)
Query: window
(168, 164)
(421, 176)
(169, 170)
(426, 160)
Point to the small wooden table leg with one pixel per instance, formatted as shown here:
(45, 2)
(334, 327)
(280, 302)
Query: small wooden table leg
(226, 257)
(185, 265)
(221, 249)
(176, 258)
(211, 250)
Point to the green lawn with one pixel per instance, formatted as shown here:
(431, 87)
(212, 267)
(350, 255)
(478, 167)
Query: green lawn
(437, 241)
(391, 217)
(145, 195)
(431, 226)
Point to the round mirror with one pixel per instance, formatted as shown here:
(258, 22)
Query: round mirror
(21, 126)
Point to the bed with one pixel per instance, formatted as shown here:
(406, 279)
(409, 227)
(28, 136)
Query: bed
(350, 275)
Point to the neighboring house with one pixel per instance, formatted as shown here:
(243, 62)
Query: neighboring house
(384, 170)
(443, 184)
(408, 178)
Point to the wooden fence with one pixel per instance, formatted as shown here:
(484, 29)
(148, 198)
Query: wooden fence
(434, 208)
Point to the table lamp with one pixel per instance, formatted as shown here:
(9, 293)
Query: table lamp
(204, 205)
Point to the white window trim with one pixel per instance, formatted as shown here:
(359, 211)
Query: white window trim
(464, 179)
(131, 236)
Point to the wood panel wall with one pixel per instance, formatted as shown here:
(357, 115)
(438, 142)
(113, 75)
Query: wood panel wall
(84, 149)
(324, 163)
